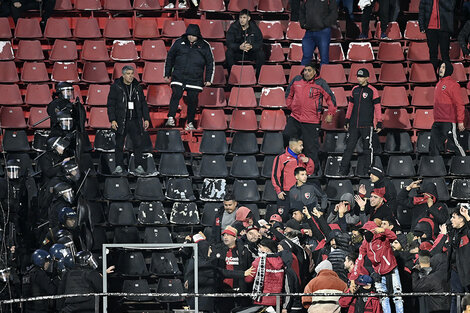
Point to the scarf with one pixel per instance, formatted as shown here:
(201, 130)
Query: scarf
(422, 200)
(295, 155)
(258, 284)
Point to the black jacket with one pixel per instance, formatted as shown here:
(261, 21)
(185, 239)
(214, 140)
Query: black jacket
(463, 38)
(236, 36)
(363, 106)
(308, 195)
(117, 103)
(459, 253)
(186, 62)
(38, 283)
(80, 281)
(390, 192)
(316, 15)
(446, 14)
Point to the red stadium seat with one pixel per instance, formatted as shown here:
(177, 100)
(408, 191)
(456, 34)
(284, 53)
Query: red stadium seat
(97, 95)
(11, 95)
(63, 5)
(423, 96)
(99, 118)
(333, 73)
(272, 120)
(276, 53)
(336, 52)
(158, 95)
(422, 73)
(455, 53)
(212, 5)
(117, 70)
(393, 31)
(392, 73)
(8, 72)
(424, 118)
(57, 28)
(28, 29)
(95, 73)
(6, 51)
(213, 120)
(360, 52)
(218, 51)
(295, 52)
(294, 31)
(37, 94)
(459, 74)
(88, 5)
(117, 28)
(95, 50)
(412, 31)
(65, 71)
(340, 95)
(153, 50)
(243, 97)
(395, 97)
(243, 120)
(356, 66)
(396, 119)
(211, 97)
(418, 51)
(63, 50)
(243, 75)
(338, 121)
(273, 97)
(146, 28)
(87, 28)
(296, 70)
(238, 5)
(153, 73)
(29, 50)
(124, 50)
(390, 52)
(37, 114)
(5, 29)
(219, 76)
(212, 29)
(272, 30)
(117, 5)
(272, 75)
(270, 6)
(34, 72)
(12, 117)
(147, 5)
(173, 28)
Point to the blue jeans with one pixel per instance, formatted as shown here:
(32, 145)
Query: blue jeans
(311, 40)
(382, 287)
(348, 5)
(455, 286)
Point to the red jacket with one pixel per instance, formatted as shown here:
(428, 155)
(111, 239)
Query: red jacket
(379, 251)
(372, 305)
(282, 176)
(448, 103)
(306, 100)
(273, 278)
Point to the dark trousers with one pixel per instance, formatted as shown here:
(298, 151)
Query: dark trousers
(47, 9)
(132, 128)
(309, 133)
(353, 136)
(442, 132)
(435, 39)
(386, 13)
(456, 286)
(283, 207)
(256, 55)
(294, 10)
(192, 97)
(365, 19)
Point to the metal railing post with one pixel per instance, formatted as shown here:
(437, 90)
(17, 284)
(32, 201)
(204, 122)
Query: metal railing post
(97, 304)
(458, 304)
(278, 304)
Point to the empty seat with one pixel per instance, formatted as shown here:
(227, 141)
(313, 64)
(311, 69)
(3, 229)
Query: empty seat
(272, 143)
(394, 97)
(218, 51)
(213, 165)
(99, 118)
(422, 73)
(153, 73)
(57, 28)
(63, 5)
(212, 5)
(333, 73)
(117, 28)
(334, 142)
(65, 72)
(340, 95)
(272, 97)
(246, 190)
(455, 52)
(146, 5)
(294, 31)
(398, 142)
(6, 54)
(29, 50)
(267, 167)
(244, 166)
(121, 213)
(396, 119)
(151, 213)
(360, 52)
(88, 5)
(336, 53)
(269, 194)
(460, 166)
(28, 28)
(15, 141)
(242, 97)
(400, 166)
(460, 189)
(412, 31)
(95, 73)
(272, 75)
(295, 52)
(173, 28)
(180, 189)
(213, 142)
(423, 96)
(157, 235)
(271, 30)
(418, 51)
(276, 53)
(390, 52)
(95, 50)
(136, 286)
(107, 162)
(213, 189)
(63, 50)
(422, 144)
(11, 95)
(124, 50)
(212, 29)
(87, 28)
(332, 167)
(214, 97)
(431, 166)
(243, 75)
(158, 95)
(169, 140)
(244, 143)
(37, 94)
(393, 31)
(459, 73)
(153, 50)
(164, 263)
(172, 164)
(272, 120)
(238, 5)
(5, 29)
(131, 263)
(97, 95)
(117, 188)
(356, 66)
(392, 73)
(243, 120)
(424, 118)
(34, 72)
(336, 188)
(117, 5)
(146, 28)
(185, 214)
(219, 76)
(213, 120)
(270, 6)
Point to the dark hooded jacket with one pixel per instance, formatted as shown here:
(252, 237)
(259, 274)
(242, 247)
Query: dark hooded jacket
(437, 212)
(316, 15)
(459, 253)
(464, 37)
(186, 62)
(236, 36)
(337, 255)
(446, 14)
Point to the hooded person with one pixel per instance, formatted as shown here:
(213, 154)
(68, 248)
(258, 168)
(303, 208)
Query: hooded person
(188, 58)
(336, 250)
(342, 213)
(449, 113)
(377, 176)
(245, 216)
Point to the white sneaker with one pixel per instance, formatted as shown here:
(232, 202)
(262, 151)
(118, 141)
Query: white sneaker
(195, 3)
(170, 122)
(169, 6)
(190, 126)
(182, 5)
